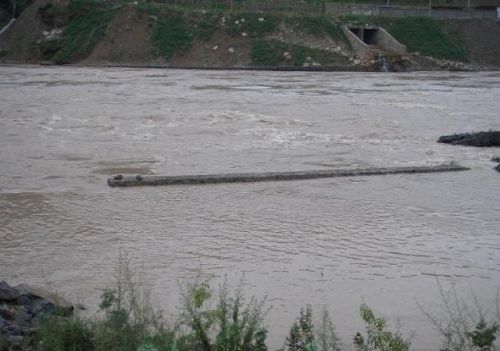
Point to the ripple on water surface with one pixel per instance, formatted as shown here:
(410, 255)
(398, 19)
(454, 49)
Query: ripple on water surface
(337, 242)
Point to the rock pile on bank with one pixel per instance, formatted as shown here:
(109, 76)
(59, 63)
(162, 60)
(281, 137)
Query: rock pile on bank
(21, 309)
(481, 139)
(497, 159)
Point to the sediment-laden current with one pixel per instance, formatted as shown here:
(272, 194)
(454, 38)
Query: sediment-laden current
(338, 242)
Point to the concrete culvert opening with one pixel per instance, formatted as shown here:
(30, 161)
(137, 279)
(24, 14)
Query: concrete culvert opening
(366, 35)
(370, 36)
(365, 38)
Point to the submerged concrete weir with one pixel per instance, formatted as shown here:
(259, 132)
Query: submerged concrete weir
(124, 181)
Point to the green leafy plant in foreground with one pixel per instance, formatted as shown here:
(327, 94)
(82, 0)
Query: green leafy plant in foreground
(301, 336)
(326, 336)
(129, 322)
(464, 327)
(59, 333)
(233, 325)
(377, 337)
(484, 335)
(304, 336)
(228, 321)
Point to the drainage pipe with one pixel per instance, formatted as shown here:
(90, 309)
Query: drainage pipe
(7, 26)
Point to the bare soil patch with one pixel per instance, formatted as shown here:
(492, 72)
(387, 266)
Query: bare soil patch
(127, 40)
(222, 50)
(20, 40)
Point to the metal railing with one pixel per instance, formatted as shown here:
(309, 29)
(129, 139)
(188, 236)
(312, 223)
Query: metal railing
(396, 8)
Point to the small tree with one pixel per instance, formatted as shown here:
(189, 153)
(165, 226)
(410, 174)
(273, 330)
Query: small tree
(484, 336)
(233, 325)
(377, 338)
(301, 336)
(327, 338)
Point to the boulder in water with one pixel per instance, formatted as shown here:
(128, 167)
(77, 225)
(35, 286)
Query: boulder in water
(480, 139)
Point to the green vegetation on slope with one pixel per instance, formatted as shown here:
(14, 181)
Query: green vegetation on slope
(419, 34)
(87, 23)
(174, 28)
(301, 54)
(318, 26)
(253, 24)
(174, 31)
(268, 53)
(271, 52)
(171, 35)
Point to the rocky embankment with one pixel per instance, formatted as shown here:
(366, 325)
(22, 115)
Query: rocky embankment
(21, 309)
(497, 160)
(480, 139)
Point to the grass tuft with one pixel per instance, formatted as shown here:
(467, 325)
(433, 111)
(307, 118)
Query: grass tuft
(318, 26)
(268, 53)
(271, 53)
(253, 24)
(170, 36)
(175, 29)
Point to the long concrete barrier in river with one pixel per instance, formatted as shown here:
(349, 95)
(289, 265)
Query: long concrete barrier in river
(123, 181)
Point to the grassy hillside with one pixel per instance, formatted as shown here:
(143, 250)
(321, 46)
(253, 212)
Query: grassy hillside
(174, 31)
(140, 32)
(85, 24)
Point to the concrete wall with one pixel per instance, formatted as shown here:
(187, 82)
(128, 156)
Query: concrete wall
(388, 42)
(337, 9)
(358, 47)
(361, 38)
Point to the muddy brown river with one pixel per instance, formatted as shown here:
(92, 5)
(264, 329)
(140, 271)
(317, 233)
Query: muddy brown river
(383, 240)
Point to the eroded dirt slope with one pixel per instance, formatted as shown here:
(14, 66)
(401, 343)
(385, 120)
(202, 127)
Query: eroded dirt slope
(481, 40)
(127, 40)
(21, 38)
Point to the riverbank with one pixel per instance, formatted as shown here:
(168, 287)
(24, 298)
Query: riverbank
(141, 34)
(210, 319)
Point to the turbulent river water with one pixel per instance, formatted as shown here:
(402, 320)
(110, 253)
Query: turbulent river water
(387, 241)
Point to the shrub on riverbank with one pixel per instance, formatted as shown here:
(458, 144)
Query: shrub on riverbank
(33, 319)
(130, 323)
(234, 323)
